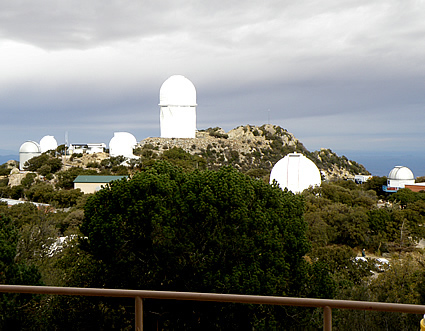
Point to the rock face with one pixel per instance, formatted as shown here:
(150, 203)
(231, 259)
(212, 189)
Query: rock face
(16, 178)
(82, 160)
(253, 148)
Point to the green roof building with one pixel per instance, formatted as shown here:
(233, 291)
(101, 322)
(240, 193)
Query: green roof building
(91, 184)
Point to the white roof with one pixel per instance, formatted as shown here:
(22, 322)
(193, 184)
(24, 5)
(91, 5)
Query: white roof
(177, 91)
(30, 147)
(296, 173)
(401, 173)
(48, 143)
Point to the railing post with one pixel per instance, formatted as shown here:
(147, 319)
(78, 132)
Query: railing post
(139, 314)
(327, 318)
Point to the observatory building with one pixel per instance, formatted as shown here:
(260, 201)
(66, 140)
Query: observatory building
(122, 143)
(177, 101)
(48, 143)
(296, 173)
(27, 151)
(398, 177)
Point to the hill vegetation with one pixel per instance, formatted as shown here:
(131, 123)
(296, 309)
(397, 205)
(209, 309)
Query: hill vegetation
(252, 150)
(206, 208)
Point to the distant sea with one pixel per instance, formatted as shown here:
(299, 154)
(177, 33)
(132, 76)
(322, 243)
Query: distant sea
(5, 158)
(381, 163)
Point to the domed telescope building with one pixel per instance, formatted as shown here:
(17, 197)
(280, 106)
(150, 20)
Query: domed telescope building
(398, 177)
(27, 151)
(296, 173)
(177, 101)
(48, 143)
(122, 144)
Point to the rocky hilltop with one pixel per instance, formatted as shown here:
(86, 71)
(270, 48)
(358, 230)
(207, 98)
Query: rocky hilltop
(252, 149)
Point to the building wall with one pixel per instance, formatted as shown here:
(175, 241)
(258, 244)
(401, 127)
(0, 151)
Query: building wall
(89, 187)
(415, 188)
(401, 183)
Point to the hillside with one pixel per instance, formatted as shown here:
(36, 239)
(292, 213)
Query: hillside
(253, 150)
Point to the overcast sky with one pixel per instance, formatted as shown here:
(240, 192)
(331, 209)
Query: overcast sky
(341, 74)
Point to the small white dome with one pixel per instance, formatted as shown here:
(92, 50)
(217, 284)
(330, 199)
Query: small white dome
(296, 173)
(401, 173)
(48, 143)
(122, 143)
(30, 147)
(177, 91)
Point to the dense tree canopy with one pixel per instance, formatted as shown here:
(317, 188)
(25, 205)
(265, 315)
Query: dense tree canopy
(14, 308)
(172, 228)
(43, 164)
(201, 231)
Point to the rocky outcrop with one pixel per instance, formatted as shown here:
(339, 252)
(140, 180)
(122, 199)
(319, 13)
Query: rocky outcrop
(251, 147)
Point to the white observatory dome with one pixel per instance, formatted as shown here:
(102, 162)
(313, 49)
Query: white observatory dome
(122, 143)
(27, 151)
(401, 173)
(30, 147)
(48, 143)
(399, 177)
(177, 91)
(296, 173)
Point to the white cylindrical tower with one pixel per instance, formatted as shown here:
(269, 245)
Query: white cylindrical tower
(296, 173)
(177, 101)
(28, 150)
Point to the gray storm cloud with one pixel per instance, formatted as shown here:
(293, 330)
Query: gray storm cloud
(335, 73)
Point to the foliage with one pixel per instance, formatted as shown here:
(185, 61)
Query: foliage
(66, 198)
(28, 180)
(202, 231)
(217, 133)
(76, 156)
(65, 179)
(375, 183)
(42, 162)
(402, 283)
(180, 158)
(4, 169)
(112, 161)
(16, 310)
(405, 197)
(41, 192)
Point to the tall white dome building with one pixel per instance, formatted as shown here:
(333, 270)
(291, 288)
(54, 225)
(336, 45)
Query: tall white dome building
(122, 143)
(27, 151)
(400, 176)
(296, 173)
(177, 101)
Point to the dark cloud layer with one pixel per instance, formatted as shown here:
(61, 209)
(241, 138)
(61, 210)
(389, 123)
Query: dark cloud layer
(346, 75)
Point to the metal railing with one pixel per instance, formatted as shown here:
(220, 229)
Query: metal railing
(138, 295)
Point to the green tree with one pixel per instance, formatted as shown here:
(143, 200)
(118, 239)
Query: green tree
(66, 198)
(204, 231)
(375, 183)
(40, 192)
(4, 169)
(28, 180)
(16, 310)
(185, 160)
(405, 196)
(36, 163)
